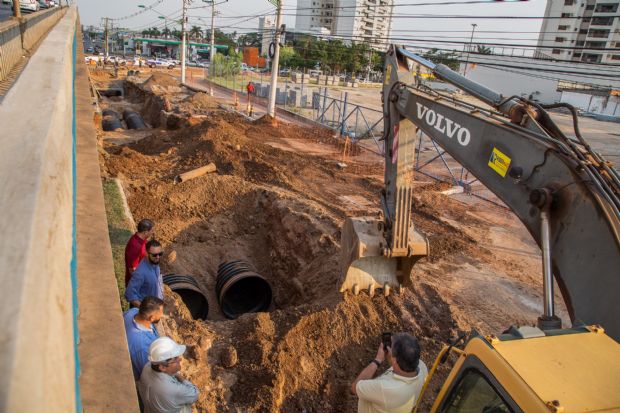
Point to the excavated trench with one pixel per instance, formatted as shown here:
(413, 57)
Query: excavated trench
(281, 212)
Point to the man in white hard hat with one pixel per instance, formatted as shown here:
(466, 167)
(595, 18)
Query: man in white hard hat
(161, 386)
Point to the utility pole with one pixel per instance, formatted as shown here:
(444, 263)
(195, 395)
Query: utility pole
(17, 12)
(473, 27)
(107, 44)
(184, 41)
(271, 109)
(212, 47)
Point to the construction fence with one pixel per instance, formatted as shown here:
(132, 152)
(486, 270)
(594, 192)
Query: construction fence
(361, 125)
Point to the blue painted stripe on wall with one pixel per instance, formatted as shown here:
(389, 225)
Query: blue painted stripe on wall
(74, 286)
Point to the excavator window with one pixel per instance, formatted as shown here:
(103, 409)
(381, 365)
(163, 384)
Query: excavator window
(474, 394)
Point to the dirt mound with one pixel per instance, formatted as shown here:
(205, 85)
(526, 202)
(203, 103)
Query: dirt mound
(199, 102)
(161, 79)
(282, 212)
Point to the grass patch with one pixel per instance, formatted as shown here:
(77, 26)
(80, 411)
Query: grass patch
(120, 232)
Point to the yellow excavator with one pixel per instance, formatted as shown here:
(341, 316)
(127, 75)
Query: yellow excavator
(568, 198)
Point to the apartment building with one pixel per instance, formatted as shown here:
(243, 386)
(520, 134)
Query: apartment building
(368, 21)
(266, 30)
(590, 26)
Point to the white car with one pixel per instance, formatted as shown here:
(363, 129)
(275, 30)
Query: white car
(31, 5)
(110, 60)
(160, 63)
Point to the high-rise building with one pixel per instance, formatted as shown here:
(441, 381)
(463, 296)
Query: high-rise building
(585, 31)
(367, 21)
(266, 29)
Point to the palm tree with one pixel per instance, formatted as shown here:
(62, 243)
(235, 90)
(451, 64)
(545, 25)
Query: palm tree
(153, 32)
(483, 49)
(176, 33)
(196, 33)
(166, 32)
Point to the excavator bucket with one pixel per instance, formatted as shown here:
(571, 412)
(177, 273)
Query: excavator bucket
(365, 264)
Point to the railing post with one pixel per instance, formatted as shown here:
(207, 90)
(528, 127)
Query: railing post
(344, 114)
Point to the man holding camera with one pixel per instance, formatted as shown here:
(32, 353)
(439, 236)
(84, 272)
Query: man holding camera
(398, 389)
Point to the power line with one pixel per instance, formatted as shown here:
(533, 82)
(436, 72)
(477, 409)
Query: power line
(145, 9)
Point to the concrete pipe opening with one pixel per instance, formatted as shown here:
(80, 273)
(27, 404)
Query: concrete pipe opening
(241, 290)
(191, 294)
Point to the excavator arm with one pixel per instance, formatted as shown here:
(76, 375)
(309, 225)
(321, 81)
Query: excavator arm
(564, 193)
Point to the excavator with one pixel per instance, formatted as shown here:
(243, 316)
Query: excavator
(568, 198)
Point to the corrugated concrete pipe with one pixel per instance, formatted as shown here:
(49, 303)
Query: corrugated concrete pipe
(241, 290)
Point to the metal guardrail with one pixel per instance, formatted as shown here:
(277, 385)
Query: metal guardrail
(19, 37)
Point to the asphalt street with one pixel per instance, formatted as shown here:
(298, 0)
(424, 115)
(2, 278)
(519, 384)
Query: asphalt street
(6, 11)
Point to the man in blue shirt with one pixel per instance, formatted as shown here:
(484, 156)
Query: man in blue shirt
(146, 279)
(141, 331)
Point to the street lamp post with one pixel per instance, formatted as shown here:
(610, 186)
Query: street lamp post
(473, 27)
(165, 25)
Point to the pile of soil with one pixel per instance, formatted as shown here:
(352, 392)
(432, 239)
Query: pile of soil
(161, 80)
(282, 212)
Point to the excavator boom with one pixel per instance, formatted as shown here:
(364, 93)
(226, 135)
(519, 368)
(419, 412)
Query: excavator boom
(564, 193)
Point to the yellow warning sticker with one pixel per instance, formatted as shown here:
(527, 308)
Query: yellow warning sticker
(499, 162)
(388, 74)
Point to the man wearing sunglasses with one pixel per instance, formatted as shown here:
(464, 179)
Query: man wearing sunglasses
(146, 279)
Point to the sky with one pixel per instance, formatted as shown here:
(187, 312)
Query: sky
(242, 16)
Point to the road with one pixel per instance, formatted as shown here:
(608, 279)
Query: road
(6, 11)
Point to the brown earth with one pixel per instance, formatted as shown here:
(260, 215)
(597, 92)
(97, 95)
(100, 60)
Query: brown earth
(282, 212)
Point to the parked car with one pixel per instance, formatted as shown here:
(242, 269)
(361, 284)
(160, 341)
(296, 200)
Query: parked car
(284, 72)
(44, 4)
(30, 5)
(152, 63)
(110, 60)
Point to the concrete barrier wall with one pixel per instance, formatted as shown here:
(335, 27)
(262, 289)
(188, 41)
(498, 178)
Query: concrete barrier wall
(10, 47)
(34, 26)
(37, 345)
(20, 37)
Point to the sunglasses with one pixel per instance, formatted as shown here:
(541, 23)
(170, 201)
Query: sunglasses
(159, 254)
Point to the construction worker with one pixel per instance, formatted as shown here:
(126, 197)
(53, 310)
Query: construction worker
(141, 332)
(146, 279)
(398, 389)
(135, 250)
(250, 90)
(162, 388)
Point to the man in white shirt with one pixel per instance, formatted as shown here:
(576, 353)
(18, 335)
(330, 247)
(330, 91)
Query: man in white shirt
(162, 387)
(398, 389)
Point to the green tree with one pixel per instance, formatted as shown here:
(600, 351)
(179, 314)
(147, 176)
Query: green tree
(288, 56)
(249, 40)
(483, 49)
(153, 32)
(166, 32)
(447, 58)
(227, 65)
(195, 33)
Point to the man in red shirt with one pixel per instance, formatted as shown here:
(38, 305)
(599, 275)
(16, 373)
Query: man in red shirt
(136, 247)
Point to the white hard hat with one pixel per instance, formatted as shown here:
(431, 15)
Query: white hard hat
(164, 348)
